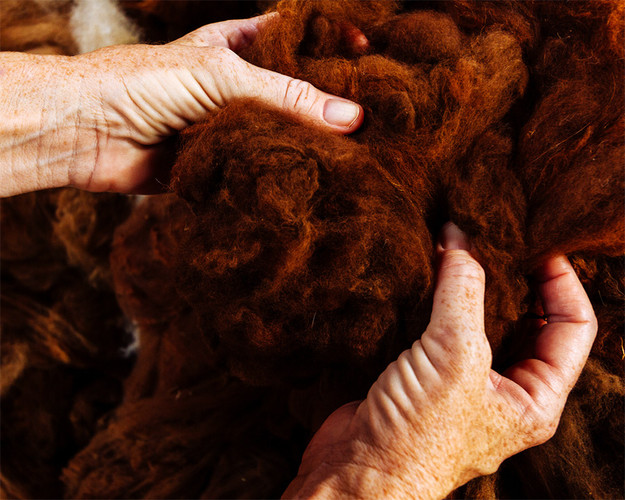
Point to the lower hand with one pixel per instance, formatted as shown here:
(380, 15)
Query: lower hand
(439, 415)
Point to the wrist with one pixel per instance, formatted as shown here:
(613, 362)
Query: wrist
(365, 472)
(363, 482)
(44, 140)
(347, 480)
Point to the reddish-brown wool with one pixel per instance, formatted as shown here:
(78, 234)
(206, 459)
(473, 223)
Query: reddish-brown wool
(288, 266)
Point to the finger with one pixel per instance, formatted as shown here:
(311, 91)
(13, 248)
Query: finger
(564, 343)
(563, 297)
(234, 35)
(455, 338)
(294, 96)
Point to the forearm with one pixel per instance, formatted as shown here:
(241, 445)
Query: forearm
(40, 123)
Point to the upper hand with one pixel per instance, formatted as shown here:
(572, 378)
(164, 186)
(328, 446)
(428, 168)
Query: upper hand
(100, 121)
(439, 415)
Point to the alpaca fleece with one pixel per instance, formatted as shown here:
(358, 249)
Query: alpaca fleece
(288, 266)
(62, 333)
(36, 26)
(112, 26)
(300, 252)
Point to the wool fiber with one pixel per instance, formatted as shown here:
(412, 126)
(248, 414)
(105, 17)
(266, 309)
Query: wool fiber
(287, 266)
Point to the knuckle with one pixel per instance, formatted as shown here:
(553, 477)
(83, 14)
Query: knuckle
(460, 348)
(546, 431)
(586, 314)
(551, 429)
(543, 425)
(490, 466)
(463, 265)
(297, 94)
(223, 54)
(227, 54)
(406, 359)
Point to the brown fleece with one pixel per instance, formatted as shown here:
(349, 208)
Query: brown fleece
(288, 266)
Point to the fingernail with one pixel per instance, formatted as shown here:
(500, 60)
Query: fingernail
(452, 238)
(340, 113)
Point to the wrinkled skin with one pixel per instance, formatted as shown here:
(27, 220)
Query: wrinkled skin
(100, 121)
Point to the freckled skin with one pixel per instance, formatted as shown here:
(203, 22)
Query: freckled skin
(100, 121)
(439, 415)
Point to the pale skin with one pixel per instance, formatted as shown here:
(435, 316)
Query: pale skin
(99, 121)
(436, 417)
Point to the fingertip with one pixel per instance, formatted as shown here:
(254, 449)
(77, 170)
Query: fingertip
(355, 38)
(454, 251)
(299, 98)
(453, 238)
(361, 42)
(356, 125)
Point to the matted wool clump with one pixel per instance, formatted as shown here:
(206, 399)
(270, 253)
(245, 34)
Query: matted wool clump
(288, 266)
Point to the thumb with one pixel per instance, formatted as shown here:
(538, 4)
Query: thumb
(457, 322)
(296, 96)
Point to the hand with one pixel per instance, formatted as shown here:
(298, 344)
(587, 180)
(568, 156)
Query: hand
(99, 121)
(439, 415)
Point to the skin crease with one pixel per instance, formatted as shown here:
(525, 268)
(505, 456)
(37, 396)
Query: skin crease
(436, 417)
(101, 121)
(439, 415)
